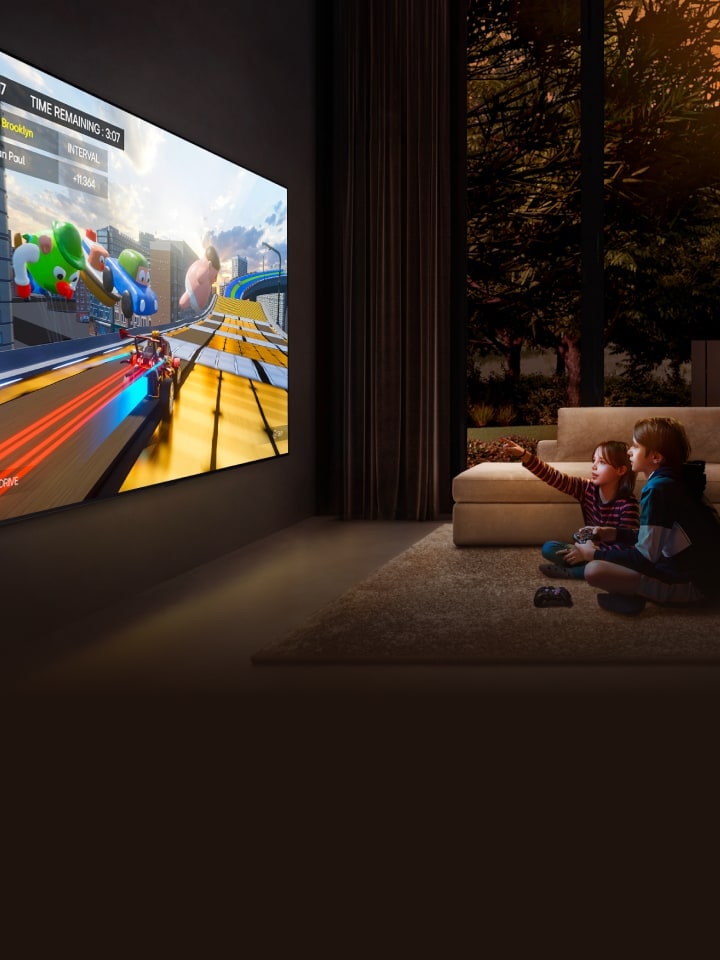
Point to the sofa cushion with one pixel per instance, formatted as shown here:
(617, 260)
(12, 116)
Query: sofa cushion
(511, 483)
(581, 429)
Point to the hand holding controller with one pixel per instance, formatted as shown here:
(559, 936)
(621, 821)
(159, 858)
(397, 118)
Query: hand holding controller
(585, 534)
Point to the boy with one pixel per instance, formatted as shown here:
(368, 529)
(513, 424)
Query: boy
(676, 558)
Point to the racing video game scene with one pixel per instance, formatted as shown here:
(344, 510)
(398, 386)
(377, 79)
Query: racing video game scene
(143, 302)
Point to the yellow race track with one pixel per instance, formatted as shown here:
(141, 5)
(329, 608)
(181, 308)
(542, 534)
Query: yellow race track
(221, 417)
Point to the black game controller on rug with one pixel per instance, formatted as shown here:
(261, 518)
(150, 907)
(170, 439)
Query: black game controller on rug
(552, 597)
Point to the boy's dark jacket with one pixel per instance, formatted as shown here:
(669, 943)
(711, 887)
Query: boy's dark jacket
(679, 535)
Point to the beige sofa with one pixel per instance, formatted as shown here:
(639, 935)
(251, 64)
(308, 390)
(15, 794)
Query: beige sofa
(503, 503)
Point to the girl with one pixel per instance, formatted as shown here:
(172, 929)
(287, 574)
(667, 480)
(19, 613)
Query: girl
(606, 499)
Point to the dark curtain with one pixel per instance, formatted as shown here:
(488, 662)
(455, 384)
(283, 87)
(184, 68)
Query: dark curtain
(391, 250)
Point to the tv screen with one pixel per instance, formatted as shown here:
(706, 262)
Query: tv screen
(143, 301)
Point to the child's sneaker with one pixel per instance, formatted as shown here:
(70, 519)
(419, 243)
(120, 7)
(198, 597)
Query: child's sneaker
(622, 603)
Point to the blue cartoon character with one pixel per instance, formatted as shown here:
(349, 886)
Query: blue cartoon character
(127, 278)
(48, 263)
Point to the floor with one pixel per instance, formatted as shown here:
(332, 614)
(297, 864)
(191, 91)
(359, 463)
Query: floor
(197, 639)
(153, 740)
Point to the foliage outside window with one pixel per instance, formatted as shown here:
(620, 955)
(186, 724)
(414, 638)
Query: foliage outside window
(661, 191)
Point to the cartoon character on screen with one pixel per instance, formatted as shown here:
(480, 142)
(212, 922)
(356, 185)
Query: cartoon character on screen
(199, 280)
(92, 275)
(48, 263)
(127, 279)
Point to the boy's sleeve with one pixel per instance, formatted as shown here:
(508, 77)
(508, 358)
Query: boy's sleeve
(654, 537)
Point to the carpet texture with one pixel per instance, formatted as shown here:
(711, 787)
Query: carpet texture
(441, 604)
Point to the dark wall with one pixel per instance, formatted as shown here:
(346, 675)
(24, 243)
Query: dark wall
(239, 79)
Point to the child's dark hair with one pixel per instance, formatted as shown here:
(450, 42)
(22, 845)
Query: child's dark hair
(615, 452)
(663, 435)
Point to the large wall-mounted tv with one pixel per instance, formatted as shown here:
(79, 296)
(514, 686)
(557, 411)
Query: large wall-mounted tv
(143, 301)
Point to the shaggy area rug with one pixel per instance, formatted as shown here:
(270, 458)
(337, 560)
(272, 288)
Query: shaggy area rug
(441, 604)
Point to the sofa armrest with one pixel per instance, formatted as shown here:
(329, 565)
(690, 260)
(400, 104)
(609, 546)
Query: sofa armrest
(547, 449)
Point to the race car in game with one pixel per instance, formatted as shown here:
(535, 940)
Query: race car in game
(152, 357)
(127, 279)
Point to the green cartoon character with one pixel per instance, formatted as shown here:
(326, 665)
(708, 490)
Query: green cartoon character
(48, 264)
